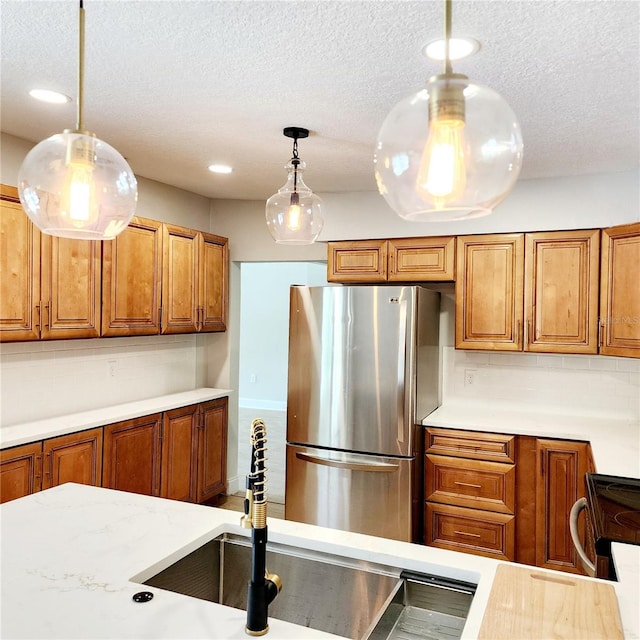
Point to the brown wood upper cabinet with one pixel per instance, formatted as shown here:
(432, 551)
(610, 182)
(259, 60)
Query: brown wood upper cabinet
(561, 291)
(489, 292)
(397, 260)
(533, 292)
(620, 291)
(131, 280)
(50, 285)
(194, 281)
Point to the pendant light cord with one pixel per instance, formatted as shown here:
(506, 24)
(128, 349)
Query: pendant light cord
(295, 161)
(80, 120)
(447, 36)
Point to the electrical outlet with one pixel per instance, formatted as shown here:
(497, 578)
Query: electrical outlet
(253, 378)
(113, 364)
(469, 377)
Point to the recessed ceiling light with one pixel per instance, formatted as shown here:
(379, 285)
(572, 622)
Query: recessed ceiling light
(458, 48)
(220, 168)
(49, 96)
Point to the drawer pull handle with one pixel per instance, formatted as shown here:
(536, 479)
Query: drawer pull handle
(468, 484)
(468, 534)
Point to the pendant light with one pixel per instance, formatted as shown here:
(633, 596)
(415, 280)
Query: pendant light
(294, 214)
(450, 151)
(74, 185)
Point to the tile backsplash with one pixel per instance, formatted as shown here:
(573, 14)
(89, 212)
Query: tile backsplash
(47, 379)
(577, 384)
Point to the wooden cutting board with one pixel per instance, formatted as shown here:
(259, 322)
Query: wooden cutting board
(529, 604)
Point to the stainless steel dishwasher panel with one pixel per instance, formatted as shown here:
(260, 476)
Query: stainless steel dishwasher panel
(353, 492)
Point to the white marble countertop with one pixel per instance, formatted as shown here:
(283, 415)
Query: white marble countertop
(615, 443)
(69, 554)
(11, 436)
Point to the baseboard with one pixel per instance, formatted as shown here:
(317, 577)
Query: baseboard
(234, 485)
(257, 403)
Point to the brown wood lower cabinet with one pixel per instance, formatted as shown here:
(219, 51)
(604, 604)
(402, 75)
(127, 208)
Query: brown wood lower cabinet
(132, 455)
(550, 478)
(212, 450)
(179, 449)
(470, 492)
(515, 509)
(76, 457)
(73, 458)
(179, 454)
(20, 471)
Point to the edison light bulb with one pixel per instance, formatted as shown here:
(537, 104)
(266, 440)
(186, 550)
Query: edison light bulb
(295, 211)
(79, 195)
(442, 173)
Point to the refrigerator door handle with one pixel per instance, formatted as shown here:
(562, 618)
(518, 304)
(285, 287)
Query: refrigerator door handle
(376, 467)
(404, 377)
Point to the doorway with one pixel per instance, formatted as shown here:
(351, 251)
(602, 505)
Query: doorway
(263, 358)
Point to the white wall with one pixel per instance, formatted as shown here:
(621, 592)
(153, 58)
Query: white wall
(51, 378)
(264, 328)
(597, 386)
(577, 202)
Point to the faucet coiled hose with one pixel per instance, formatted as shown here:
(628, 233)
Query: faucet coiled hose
(258, 439)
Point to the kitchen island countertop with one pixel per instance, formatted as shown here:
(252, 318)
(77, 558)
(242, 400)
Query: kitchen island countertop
(13, 435)
(69, 555)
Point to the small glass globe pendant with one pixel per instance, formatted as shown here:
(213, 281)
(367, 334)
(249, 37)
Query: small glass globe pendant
(450, 151)
(294, 215)
(74, 185)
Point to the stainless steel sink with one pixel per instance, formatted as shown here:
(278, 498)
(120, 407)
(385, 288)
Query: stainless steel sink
(349, 598)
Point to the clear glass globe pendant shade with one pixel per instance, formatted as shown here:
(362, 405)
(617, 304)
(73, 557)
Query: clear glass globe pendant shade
(74, 185)
(450, 151)
(294, 214)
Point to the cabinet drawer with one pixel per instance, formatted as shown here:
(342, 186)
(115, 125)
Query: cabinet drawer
(470, 483)
(471, 444)
(470, 530)
(421, 259)
(357, 261)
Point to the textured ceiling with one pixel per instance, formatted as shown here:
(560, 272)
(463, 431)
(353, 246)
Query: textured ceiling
(175, 85)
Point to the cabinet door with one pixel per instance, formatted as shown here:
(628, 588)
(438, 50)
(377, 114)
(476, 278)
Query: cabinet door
(562, 468)
(214, 282)
(489, 292)
(132, 455)
(131, 279)
(73, 458)
(620, 291)
(179, 279)
(20, 471)
(561, 291)
(212, 449)
(357, 261)
(19, 271)
(179, 449)
(421, 259)
(70, 280)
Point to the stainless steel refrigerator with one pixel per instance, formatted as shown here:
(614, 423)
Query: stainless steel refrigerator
(363, 373)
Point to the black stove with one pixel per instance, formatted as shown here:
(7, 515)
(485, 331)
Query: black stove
(614, 511)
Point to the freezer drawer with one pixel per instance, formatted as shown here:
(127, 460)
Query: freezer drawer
(353, 492)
